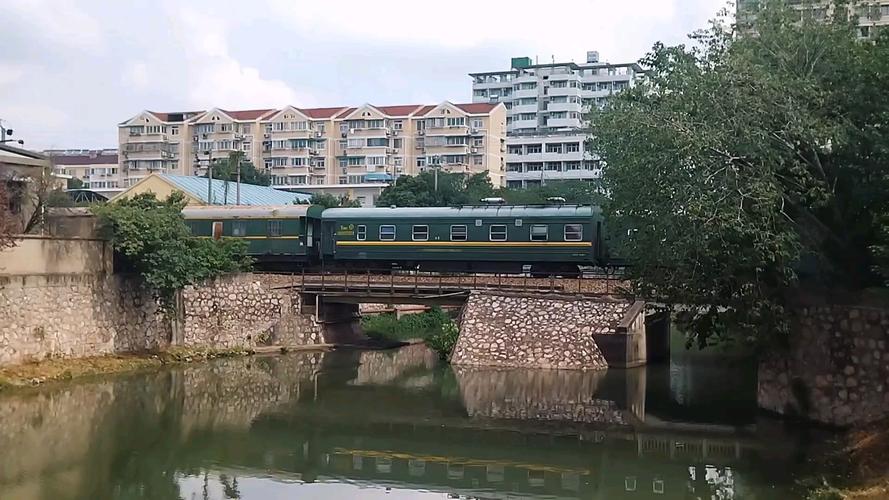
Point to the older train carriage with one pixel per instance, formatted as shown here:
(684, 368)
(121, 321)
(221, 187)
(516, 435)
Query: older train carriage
(552, 238)
(275, 234)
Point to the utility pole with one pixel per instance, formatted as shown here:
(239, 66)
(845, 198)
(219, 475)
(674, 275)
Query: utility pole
(209, 179)
(4, 132)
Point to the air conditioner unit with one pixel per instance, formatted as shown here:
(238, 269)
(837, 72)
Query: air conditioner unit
(204, 136)
(351, 130)
(391, 151)
(396, 132)
(421, 132)
(319, 134)
(266, 136)
(473, 150)
(194, 138)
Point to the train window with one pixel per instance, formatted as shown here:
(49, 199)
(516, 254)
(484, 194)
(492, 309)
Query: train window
(458, 233)
(387, 233)
(539, 232)
(274, 228)
(573, 232)
(239, 228)
(497, 232)
(420, 233)
(361, 233)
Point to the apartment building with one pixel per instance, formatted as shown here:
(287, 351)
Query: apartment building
(546, 106)
(97, 169)
(321, 149)
(871, 16)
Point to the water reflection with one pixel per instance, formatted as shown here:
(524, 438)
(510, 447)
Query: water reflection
(366, 424)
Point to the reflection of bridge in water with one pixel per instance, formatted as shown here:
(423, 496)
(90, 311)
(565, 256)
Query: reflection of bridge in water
(389, 418)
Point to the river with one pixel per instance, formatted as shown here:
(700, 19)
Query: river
(398, 425)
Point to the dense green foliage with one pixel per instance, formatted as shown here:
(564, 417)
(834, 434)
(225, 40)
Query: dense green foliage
(227, 170)
(328, 200)
(153, 240)
(74, 183)
(458, 189)
(435, 327)
(750, 167)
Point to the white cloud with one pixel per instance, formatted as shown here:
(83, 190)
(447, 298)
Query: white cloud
(623, 28)
(62, 22)
(11, 73)
(215, 78)
(136, 75)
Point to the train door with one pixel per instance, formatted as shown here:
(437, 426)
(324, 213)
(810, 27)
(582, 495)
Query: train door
(217, 230)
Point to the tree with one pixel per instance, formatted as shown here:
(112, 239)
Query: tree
(7, 219)
(153, 240)
(573, 191)
(420, 190)
(328, 200)
(74, 183)
(750, 167)
(227, 170)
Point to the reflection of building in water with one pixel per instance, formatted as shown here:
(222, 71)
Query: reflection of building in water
(564, 395)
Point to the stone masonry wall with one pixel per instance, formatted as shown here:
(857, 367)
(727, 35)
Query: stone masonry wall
(517, 331)
(244, 310)
(45, 316)
(837, 368)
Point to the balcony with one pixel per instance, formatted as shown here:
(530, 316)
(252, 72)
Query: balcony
(563, 123)
(564, 106)
(524, 108)
(524, 124)
(522, 93)
(564, 91)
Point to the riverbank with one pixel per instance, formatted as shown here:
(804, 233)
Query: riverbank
(862, 460)
(433, 327)
(52, 370)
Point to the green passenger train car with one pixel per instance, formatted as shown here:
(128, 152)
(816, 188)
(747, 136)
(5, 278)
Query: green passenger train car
(289, 233)
(553, 238)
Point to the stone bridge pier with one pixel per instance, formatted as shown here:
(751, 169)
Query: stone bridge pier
(522, 331)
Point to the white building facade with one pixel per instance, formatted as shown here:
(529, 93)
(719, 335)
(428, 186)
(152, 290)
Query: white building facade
(546, 108)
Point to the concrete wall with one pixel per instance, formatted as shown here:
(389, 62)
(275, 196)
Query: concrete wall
(46, 255)
(836, 370)
(76, 316)
(518, 331)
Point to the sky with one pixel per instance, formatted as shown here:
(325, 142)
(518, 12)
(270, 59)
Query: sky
(71, 70)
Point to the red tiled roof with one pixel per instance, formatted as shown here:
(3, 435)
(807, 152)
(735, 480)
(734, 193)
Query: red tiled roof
(425, 109)
(249, 114)
(84, 159)
(320, 112)
(400, 110)
(347, 112)
(476, 107)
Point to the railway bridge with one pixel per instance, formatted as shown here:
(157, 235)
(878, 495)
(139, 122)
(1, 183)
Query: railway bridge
(520, 320)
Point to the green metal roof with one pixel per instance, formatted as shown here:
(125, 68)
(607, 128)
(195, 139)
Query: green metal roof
(504, 211)
(250, 194)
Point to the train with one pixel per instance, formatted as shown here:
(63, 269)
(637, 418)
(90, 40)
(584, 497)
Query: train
(548, 239)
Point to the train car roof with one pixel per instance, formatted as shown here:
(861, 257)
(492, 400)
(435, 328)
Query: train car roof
(251, 212)
(505, 211)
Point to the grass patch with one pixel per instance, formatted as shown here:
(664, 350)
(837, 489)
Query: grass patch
(52, 370)
(434, 327)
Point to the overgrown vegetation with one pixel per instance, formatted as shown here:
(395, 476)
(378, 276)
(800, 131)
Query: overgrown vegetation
(227, 170)
(750, 168)
(153, 240)
(434, 327)
(458, 189)
(7, 219)
(328, 200)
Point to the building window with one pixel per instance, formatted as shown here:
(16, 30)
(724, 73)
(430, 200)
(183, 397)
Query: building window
(476, 123)
(274, 228)
(239, 228)
(497, 232)
(478, 160)
(456, 122)
(374, 124)
(458, 233)
(398, 124)
(539, 232)
(421, 161)
(572, 147)
(377, 142)
(387, 233)
(532, 149)
(573, 232)
(361, 233)
(420, 233)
